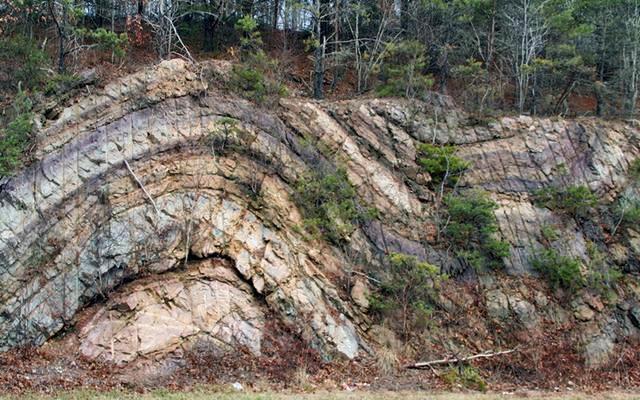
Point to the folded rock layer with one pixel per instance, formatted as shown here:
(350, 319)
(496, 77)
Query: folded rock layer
(168, 205)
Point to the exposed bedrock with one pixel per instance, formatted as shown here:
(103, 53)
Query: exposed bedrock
(143, 193)
(175, 228)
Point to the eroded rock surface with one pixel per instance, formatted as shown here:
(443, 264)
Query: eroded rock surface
(78, 223)
(209, 302)
(144, 179)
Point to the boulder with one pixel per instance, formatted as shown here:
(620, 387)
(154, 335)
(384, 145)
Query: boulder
(497, 304)
(584, 313)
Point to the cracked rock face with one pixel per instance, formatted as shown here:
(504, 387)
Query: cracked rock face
(169, 206)
(209, 302)
(138, 188)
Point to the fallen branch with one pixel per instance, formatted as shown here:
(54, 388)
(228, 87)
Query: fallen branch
(455, 360)
(153, 203)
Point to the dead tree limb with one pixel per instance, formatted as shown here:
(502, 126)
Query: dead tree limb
(153, 203)
(366, 276)
(175, 31)
(455, 360)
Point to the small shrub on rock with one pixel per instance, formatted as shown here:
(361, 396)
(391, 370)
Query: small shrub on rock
(549, 233)
(60, 83)
(252, 83)
(407, 289)
(466, 376)
(441, 163)
(634, 170)
(627, 211)
(15, 137)
(601, 277)
(559, 270)
(226, 135)
(471, 230)
(573, 200)
(329, 204)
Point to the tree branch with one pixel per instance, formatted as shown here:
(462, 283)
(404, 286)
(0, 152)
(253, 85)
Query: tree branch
(455, 360)
(153, 203)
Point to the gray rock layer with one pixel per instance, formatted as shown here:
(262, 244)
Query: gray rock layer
(146, 177)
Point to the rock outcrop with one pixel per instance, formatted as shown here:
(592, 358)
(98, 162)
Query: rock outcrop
(208, 303)
(162, 179)
(129, 185)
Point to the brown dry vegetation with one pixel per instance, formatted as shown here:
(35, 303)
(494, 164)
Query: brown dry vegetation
(211, 394)
(547, 360)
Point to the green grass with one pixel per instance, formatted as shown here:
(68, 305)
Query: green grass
(204, 395)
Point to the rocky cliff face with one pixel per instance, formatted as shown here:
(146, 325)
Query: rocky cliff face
(165, 207)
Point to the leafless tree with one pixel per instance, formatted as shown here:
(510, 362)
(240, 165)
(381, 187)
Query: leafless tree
(163, 16)
(524, 38)
(630, 72)
(368, 52)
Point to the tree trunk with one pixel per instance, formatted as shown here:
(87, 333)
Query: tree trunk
(598, 91)
(444, 69)
(61, 66)
(247, 8)
(534, 94)
(60, 28)
(319, 53)
(318, 73)
(209, 23)
(491, 37)
(404, 17)
(276, 13)
(633, 60)
(337, 69)
(602, 53)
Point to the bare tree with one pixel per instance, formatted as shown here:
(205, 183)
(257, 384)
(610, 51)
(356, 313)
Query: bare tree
(59, 15)
(215, 13)
(164, 15)
(368, 52)
(524, 39)
(321, 11)
(630, 72)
